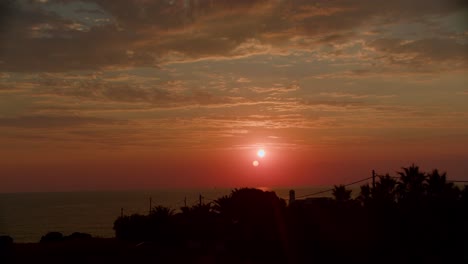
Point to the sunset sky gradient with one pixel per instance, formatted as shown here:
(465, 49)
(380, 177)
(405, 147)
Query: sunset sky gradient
(139, 94)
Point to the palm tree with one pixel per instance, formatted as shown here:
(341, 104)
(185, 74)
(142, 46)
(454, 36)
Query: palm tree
(411, 185)
(439, 189)
(223, 205)
(385, 190)
(365, 194)
(341, 194)
(161, 212)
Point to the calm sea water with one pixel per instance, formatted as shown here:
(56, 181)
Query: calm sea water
(28, 216)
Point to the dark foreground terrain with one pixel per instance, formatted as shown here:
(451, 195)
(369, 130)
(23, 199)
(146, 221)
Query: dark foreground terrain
(415, 217)
(109, 250)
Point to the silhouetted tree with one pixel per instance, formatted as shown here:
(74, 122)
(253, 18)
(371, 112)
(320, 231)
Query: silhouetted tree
(253, 220)
(161, 224)
(134, 227)
(439, 190)
(223, 205)
(364, 195)
(249, 204)
(411, 185)
(161, 212)
(341, 194)
(436, 183)
(197, 224)
(385, 190)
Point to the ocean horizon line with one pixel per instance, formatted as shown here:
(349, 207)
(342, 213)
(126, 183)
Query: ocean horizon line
(178, 189)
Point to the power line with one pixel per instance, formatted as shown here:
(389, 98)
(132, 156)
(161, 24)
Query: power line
(358, 181)
(398, 177)
(329, 190)
(312, 194)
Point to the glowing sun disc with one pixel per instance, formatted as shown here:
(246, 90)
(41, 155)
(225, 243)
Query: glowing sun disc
(261, 153)
(255, 163)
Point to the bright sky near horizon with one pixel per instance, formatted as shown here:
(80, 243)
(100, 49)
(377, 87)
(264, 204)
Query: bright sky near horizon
(114, 94)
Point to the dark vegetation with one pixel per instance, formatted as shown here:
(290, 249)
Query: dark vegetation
(415, 217)
(58, 237)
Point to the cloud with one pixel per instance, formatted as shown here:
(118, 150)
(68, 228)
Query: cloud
(243, 80)
(148, 33)
(37, 121)
(143, 96)
(355, 96)
(421, 51)
(275, 90)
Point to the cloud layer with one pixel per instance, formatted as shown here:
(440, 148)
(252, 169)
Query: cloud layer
(284, 72)
(50, 36)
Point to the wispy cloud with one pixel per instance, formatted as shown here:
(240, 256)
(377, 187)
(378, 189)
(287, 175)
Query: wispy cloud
(355, 96)
(37, 121)
(276, 90)
(39, 39)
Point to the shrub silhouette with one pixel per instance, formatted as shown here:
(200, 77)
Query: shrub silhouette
(78, 236)
(52, 237)
(133, 228)
(6, 242)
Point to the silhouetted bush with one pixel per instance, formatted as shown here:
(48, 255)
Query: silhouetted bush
(52, 237)
(134, 227)
(78, 236)
(6, 242)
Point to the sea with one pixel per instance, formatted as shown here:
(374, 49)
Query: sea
(26, 217)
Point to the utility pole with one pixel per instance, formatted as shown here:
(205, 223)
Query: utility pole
(200, 200)
(185, 201)
(373, 179)
(121, 212)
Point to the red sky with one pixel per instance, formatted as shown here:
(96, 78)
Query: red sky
(98, 95)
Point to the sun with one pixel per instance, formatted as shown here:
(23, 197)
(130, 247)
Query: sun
(261, 153)
(255, 163)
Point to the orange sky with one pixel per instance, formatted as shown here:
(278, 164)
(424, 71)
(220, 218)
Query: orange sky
(98, 95)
